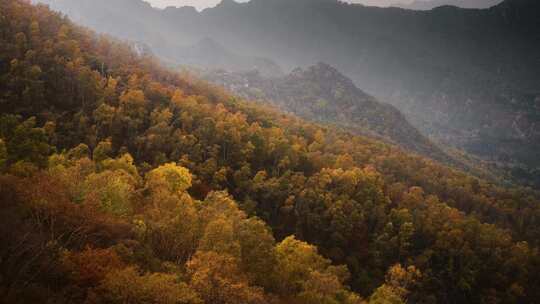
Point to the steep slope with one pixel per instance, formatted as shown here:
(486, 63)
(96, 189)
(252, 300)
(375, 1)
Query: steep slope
(209, 54)
(467, 78)
(123, 182)
(321, 93)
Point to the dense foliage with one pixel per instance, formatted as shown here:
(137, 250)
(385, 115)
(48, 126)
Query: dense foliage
(123, 182)
(321, 93)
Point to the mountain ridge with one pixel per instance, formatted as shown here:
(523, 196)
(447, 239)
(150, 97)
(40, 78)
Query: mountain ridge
(321, 93)
(429, 5)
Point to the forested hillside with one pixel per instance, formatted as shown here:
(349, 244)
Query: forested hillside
(321, 93)
(123, 182)
(467, 78)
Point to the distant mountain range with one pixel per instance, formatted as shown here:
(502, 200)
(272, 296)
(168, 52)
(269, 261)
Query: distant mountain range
(418, 4)
(431, 4)
(466, 78)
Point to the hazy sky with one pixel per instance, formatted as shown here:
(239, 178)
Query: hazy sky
(200, 4)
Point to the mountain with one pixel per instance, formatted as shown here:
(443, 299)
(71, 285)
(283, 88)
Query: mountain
(208, 54)
(321, 93)
(125, 182)
(431, 4)
(466, 78)
(138, 21)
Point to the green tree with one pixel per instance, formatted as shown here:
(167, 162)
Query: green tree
(102, 151)
(112, 191)
(299, 267)
(169, 177)
(25, 141)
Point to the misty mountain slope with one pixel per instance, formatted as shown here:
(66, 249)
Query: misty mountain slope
(321, 93)
(467, 78)
(209, 54)
(137, 21)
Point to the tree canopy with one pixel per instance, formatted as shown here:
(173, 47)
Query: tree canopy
(124, 182)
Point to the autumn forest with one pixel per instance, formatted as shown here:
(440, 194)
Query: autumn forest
(125, 181)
